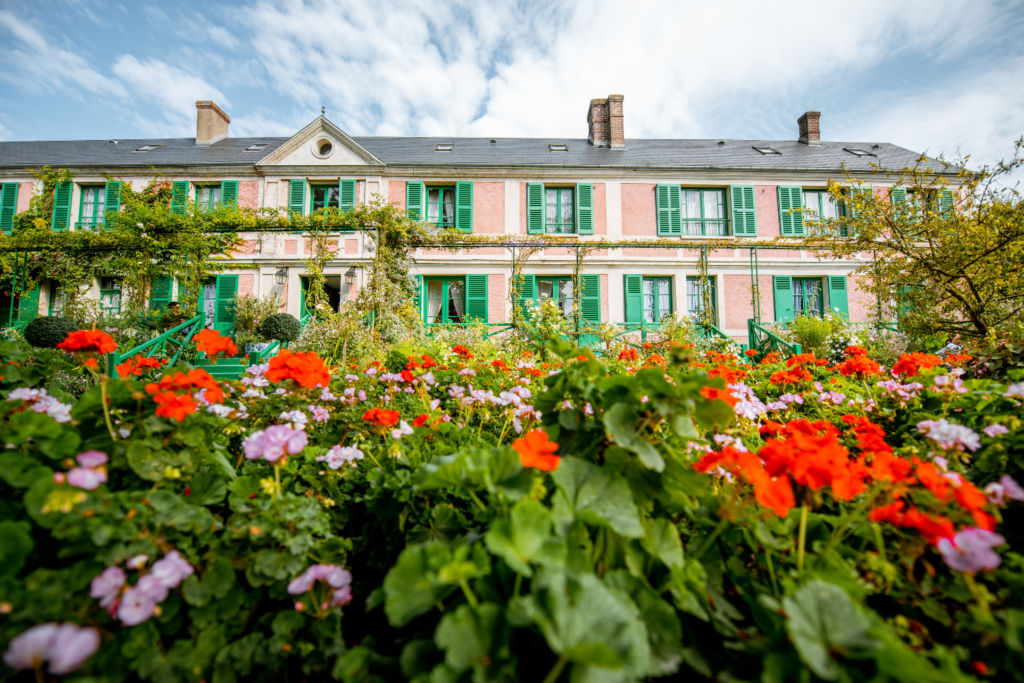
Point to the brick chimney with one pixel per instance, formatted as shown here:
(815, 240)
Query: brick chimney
(211, 123)
(810, 133)
(604, 122)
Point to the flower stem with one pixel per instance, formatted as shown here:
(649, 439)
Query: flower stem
(978, 595)
(468, 592)
(519, 584)
(556, 670)
(803, 538)
(771, 571)
(472, 494)
(106, 409)
(711, 539)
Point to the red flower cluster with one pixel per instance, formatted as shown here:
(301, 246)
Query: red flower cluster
(794, 376)
(855, 351)
(910, 364)
(174, 393)
(461, 350)
(534, 371)
(955, 358)
(88, 341)
(382, 417)
(730, 375)
(750, 353)
(629, 355)
(138, 364)
(307, 369)
(535, 450)
(500, 365)
(716, 357)
(213, 344)
(800, 359)
(713, 394)
(428, 362)
(858, 365)
(655, 360)
(771, 358)
(933, 528)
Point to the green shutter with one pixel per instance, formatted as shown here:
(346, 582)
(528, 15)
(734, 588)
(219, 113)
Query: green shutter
(783, 286)
(297, 197)
(179, 197)
(418, 300)
(584, 208)
(898, 195)
(527, 293)
(346, 195)
(535, 209)
(160, 296)
(62, 206)
(8, 206)
(791, 203)
(837, 296)
(111, 201)
(634, 286)
(464, 206)
(590, 298)
(227, 288)
(744, 214)
(414, 198)
(946, 204)
(476, 298)
(229, 193)
(669, 217)
(28, 307)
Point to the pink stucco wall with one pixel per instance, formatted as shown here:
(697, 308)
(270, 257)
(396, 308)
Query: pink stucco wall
(649, 252)
(557, 251)
(291, 247)
(396, 193)
(353, 291)
(249, 193)
(351, 246)
(489, 208)
(246, 248)
(738, 308)
(604, 298)
(766, 202)
(863, 305)
(25, 191)
(600, 209)
(496, 298)
(487, 251)
(360, 184)
(639, 215)
(246, 283)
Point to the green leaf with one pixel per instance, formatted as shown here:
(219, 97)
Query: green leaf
(520, 538)
(470, 635)
(415, 584)
(207, 488)
(823, 621)
(621, 423)
(661, 539)
(21, 472)
(593, 495)
(477, 468)
(664, 630)
(15, 546)
(151, 462)
(277, 564)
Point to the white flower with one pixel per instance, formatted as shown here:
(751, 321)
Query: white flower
(338, 456)
(403, 428)
(1011, 391)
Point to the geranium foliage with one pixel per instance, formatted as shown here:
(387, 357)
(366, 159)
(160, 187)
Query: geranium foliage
(452, 515)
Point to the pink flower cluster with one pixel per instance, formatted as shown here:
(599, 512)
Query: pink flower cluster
(274, 442)
(336, 579)
(971, 550)
(91, 473)
(65, 647)
(137, 603)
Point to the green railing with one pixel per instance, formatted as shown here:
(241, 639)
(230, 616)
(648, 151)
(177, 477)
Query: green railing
(765, 342)
(158, 344)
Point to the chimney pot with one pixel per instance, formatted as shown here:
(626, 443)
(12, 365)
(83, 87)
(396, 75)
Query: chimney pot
(604, 122)
(211, 123)
(810, 131)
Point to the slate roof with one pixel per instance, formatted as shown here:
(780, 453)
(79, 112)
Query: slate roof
(469, 152)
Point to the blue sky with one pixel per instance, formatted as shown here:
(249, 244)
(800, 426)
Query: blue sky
(936, 76)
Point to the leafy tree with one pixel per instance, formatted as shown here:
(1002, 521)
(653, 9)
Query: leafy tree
(947, 244)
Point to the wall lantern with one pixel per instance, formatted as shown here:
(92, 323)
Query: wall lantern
(350, 275)
(281, 276)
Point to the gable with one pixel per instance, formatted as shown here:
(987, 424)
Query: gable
(321, 143)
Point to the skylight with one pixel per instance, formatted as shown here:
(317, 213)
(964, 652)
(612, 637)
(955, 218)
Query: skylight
(147, 148)
(767, 150)
(444, 147)
(858, 152)
(258, 147)
(554, 147)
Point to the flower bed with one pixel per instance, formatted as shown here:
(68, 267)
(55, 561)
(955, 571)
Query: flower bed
(460, 516)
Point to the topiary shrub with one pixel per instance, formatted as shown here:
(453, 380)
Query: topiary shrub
(45, 332)
(281, 326)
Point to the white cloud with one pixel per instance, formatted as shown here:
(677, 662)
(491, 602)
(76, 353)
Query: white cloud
(172, 90)
(32, 64)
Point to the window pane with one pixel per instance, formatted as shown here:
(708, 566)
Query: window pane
(829, 208)
(567, 209)
(552, 205)
(545, 288)
(202, 197)
(811, 209)
(456, 300)
(648, 286)
(332, 197)
(434, 301)
(215, 195)
(690, 203)
(713, 204)
(433, 205)
(663, 286)
(449, 207)
(565, 289)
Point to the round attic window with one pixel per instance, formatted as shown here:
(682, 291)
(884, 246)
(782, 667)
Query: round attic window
(323, 148)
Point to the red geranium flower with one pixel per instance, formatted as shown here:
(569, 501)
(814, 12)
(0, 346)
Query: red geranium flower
(629, 355)
(535, 450)
(461, 350)
(213, 344)
(910, 364)
(499, 364)
(88, 341)
(307, 369)
(174, 406)
(382, 417)
(713, 394)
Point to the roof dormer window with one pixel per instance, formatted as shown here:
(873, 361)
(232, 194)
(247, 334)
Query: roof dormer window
(147, 148)
(257, 147)
(766, 150)
(444, 147)
(858, 152)
(557, 147)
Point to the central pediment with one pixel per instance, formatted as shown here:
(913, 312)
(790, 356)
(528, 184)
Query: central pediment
(321, 143)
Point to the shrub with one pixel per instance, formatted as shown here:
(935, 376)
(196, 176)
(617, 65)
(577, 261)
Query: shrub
(281, 326)
(47, 331)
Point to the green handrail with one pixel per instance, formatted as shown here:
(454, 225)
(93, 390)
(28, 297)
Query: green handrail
(157, 343)
(765, 342)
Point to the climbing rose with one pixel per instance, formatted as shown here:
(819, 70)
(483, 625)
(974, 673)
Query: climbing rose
(535, 450)
(64, 646)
